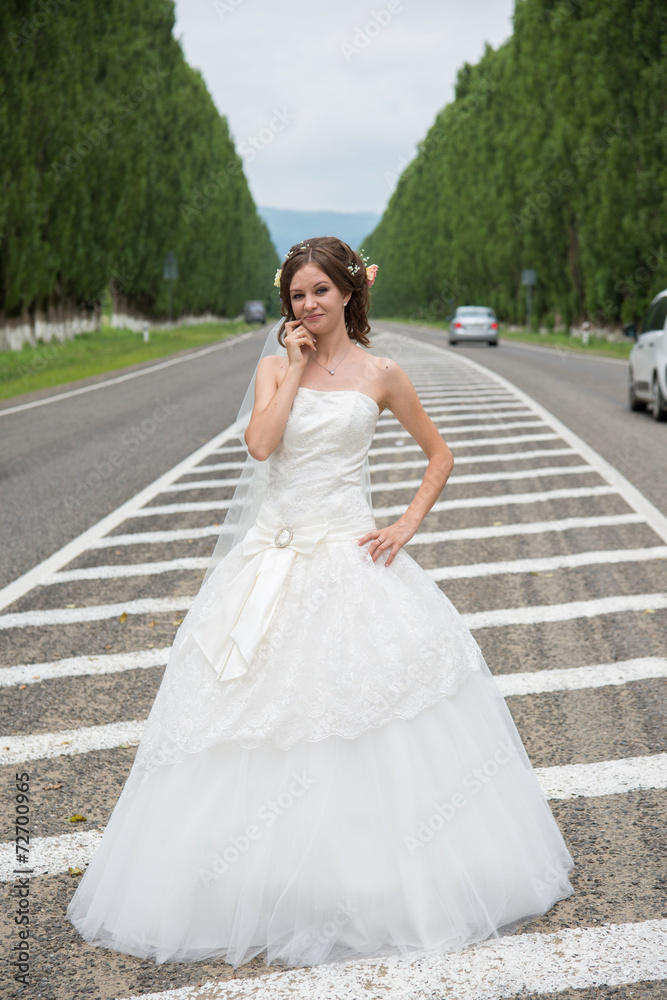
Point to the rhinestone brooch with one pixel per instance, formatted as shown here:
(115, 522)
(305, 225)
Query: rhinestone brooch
(282, 544)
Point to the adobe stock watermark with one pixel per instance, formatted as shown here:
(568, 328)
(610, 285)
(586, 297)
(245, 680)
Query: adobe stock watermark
(473, 782)
(329, 929)
(254, 144)
(364, 34)
(216, 181)
(130, 443)
(30, 26)
(95, 134)
(554, 188)
(225, 7)
(268, 815)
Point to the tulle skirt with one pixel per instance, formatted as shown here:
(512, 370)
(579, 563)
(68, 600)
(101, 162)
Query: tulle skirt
(423, 833)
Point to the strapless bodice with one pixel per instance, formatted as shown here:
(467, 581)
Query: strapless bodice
(319, 463)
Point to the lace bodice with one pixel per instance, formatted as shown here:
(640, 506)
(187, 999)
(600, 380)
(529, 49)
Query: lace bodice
(320, 462)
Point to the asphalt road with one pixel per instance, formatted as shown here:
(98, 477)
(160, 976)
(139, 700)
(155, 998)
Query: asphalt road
(56, 477)
(589, 394)
(560, 580)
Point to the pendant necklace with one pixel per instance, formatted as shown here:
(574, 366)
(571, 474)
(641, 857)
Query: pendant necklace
(332, 370)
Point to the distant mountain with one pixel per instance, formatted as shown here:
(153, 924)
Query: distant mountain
(288, 226)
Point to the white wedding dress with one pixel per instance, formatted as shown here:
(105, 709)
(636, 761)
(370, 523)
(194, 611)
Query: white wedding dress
(329, 769)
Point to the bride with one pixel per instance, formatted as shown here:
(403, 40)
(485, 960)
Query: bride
(329, 769)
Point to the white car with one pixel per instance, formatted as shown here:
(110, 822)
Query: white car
(474, 323)
(647, 382)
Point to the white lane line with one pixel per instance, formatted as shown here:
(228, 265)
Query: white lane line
(95, 612)
(201, 484)
(230, 449)
(492, 477)
(482, 477)
(548, 563)
(456, 572)
(506, 410)
(83, 666)
(474, 619)
(153, 537)
(68, 742)
(195, 506)
(496, 425)
(565, 612)
(632, 496)
(506, 499)
(181, 359)
(529, 528)
(421, 538)
(182, 508)
(606, 777)
(579, 678)
(500, 457)
(471, 443)
(17, 588)
(113, 572)
(606, 955)
(214, 467)
(49, 855)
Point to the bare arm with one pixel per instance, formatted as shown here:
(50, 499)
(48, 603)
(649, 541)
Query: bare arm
(275, 389)
(402, 399)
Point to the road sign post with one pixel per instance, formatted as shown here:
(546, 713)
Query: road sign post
(170, 274)
(529, 278)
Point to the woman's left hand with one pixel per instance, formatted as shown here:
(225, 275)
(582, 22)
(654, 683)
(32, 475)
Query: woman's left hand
(391, 538)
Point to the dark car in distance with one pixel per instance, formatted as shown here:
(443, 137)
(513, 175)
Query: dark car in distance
(254, 311)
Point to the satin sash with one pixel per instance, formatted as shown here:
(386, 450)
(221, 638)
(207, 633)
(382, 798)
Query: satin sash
(234, 629)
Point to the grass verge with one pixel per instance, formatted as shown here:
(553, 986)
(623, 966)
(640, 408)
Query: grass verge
(59, 362)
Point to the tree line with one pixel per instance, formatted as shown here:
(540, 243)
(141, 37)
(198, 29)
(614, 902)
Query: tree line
(552, 156)
(112, 154)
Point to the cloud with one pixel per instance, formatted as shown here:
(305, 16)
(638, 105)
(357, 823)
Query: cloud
(327, 100)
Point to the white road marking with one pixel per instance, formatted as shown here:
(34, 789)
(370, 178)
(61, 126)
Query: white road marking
(131, 508)
(93, 613)
(155, 537)
(575, 493)
(606, 777)
(471, 443)
(497, 969)
(565, 612)
(113, 572)
(579, 678)
(499, 457)
(83, 666)
(529, 528)
(181, 359)
(482, 477)
(17, 749)
(546, 564)
(492, 477)
(632, 496)
(496, 425)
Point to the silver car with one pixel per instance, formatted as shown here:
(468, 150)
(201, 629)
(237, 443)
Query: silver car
(647, 382)
(474, 323)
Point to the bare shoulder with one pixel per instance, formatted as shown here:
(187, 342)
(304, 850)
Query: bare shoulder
(394, 381)
(271, 370)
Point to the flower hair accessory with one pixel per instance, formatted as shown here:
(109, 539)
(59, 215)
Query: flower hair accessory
(371, 273)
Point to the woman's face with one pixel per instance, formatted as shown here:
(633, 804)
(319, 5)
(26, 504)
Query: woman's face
(316, 301)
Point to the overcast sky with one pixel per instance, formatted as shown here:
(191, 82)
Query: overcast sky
(327, 99)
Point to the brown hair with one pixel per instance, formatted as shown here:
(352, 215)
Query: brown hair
(335, 258)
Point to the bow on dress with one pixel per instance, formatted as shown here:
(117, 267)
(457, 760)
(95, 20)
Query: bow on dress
(230, 635)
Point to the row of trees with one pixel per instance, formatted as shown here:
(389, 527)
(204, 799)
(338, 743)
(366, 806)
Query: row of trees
(552, 156)
(112, 154)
